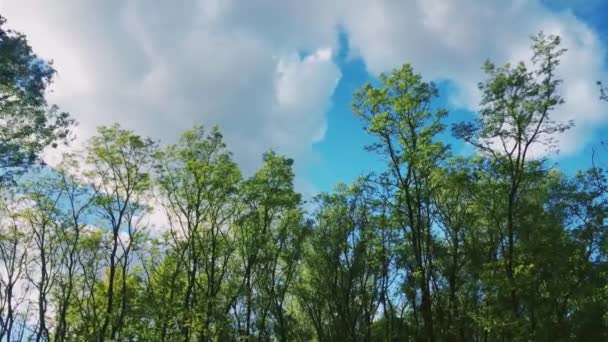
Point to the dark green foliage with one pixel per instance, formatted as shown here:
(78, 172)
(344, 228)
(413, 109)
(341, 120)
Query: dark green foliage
(27, 123)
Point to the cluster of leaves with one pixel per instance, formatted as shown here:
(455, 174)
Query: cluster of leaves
(27, 123)
(128, 241)
(224, 266)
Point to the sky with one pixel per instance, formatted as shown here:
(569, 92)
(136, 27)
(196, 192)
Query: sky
(280, 74)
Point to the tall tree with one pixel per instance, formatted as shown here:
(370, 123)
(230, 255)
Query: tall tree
(14, 257)
(455, 208)
(43, 220)
(514, 122)
(270, 234)
(339, 289)
(120, 166)
(199, 184)
(77, 205)
(399, 114)
(27, 123)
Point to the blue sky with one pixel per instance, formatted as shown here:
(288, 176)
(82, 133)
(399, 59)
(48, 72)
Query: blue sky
(280, 74)
(594, 14)
(342, 157)
(342, 154)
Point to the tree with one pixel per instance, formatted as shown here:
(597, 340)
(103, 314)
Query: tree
(339, 290)
(28, 124)
(455, 203)
(199, 183)
(400, 116)
(515, 119)
(14, 253)
(77, 204)
(121, 165)
(43, 220)
(270, 231)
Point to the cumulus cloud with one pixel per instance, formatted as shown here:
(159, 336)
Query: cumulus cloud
(449, 40)
(161, 69)
(263, 69)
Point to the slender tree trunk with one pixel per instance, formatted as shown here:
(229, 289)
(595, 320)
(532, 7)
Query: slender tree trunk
(110, 294)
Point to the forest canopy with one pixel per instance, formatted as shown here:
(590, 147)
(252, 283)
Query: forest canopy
(132, 240)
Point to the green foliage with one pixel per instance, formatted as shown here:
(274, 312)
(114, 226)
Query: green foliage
(27, 123)
(517, 103)
(339, 287)
(496, 246)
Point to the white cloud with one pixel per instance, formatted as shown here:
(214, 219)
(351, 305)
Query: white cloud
(303, 86)
(160, 68)
(449, 40)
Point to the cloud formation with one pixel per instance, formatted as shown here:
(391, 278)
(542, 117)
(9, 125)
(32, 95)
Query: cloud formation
(263, 69)
(449, 40)
(161, 69)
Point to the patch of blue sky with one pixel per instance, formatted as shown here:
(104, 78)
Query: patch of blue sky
(342, 156)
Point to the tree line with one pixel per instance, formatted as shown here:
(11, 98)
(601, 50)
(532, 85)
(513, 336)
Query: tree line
(128, 240)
